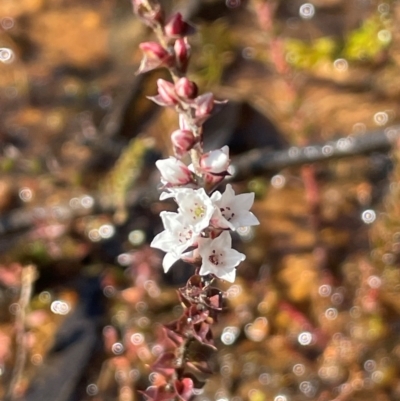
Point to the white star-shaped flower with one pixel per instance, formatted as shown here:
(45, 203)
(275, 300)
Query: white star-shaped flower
(218, 257)
(175, 239)
(195, 206)
(233, 211)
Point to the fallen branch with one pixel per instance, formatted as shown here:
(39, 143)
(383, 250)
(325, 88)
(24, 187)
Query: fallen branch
(246, 165)
(261, 161)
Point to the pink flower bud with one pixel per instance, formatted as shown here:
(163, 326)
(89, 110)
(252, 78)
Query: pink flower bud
(154, 56)
(166, 94)
(176, 27)
(212, 180)
(216, 161)
(186, 89)
(153, 50)
(204, 105)
(183, 141)
(174, 172)
(167, 91)
(182, 54)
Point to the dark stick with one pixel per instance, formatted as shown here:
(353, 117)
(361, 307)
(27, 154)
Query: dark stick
(262, 161)
(249, 164)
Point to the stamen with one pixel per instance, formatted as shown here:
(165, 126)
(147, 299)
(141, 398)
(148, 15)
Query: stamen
(214, 259)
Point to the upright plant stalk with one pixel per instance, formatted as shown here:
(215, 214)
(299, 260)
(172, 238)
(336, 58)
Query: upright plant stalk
(28, 276)
(198, 232)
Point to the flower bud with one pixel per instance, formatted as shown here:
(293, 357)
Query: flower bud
(204, 105)
(173, 171)
(167, 91)
(185, 88)
(154, 56)
(216, 161)
(183, 141)
(176, 27)
(182, 54)
(211, 180)
(166, 94)
(153, 50)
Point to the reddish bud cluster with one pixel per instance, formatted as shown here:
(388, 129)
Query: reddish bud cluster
(174, 55)
(190, 334)
(183, 94)
(170, 94)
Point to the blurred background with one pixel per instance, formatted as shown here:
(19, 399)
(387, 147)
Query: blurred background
(313, 92)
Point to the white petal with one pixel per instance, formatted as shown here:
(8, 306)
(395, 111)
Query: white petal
(233, 257)
(219, 221)
(166, 194)
(223, 241)
(244, 220)
(216, 161)
(228, 276)
(169, 260)
(170, 220)
(244, 201)
(216, 196)
(228, 195)
(163, 241)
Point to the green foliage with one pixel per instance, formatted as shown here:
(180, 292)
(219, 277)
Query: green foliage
(259, 186)
(125, 173)
(364, 44)
(305, 55)
(7, 164)
(215, 51)
(35, 252)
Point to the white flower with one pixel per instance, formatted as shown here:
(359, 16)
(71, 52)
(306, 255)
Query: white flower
(195, 206)
(233, 211)
(173, 171)
(216, 161)
(175, 239)
(218, 257)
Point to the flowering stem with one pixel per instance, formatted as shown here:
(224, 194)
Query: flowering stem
(199, 231)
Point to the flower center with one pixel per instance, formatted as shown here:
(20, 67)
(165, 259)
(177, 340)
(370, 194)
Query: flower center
(215, 258)
(185, 235)
(198, 211)
(226, 212)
